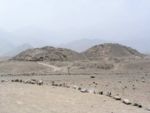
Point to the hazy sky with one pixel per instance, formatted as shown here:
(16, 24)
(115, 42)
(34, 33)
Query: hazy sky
(75, 19)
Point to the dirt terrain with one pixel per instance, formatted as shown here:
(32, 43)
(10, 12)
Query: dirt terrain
(107, 85)
(20, 98)
(129, 80)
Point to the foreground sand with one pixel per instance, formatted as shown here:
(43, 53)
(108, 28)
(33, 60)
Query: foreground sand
(129, 80)
(23, 98)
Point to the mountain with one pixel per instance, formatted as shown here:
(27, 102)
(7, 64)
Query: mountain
(49, 54)
(4, 47)
(140, 44)
(82, 45)
(39, 37)
(5, 44)
(110, 50)
(17, 50)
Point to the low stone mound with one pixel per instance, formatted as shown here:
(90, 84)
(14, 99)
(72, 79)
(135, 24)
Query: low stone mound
(110, 50)
(49, 54)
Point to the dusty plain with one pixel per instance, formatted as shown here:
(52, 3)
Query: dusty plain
(61, 91)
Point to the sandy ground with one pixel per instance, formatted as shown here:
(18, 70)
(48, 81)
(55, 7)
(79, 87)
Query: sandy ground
(54, 68)
(129, 80)
(20, 98)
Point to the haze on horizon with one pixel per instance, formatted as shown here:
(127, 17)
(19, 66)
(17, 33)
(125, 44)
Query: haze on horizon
(56, 22)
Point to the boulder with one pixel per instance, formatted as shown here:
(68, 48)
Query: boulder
(17, 80)
(126, 101)
(75, 87)
(148, 109)
(3, 81)
(137, 105)
(108, 94)
(92, 76)
(84, 90)
(40, 82)
(117, 97)
(32, 82)
(53, 83)
(92, 91)
(100, 93)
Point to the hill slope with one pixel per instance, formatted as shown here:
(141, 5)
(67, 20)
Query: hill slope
(49, 54)
(109, 50)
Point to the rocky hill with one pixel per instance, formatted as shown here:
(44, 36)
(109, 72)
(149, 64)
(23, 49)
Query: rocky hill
(109, 50)
(102, 51)
(49, 54)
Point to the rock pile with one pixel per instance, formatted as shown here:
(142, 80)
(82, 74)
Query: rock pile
(60, 84)
(32, 81)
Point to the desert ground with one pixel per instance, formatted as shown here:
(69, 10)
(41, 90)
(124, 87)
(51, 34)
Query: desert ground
(75, 87)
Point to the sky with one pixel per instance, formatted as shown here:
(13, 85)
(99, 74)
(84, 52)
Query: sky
(59, 21)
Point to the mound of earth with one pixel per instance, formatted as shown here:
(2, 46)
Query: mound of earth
(109, 50)
(49, 54)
